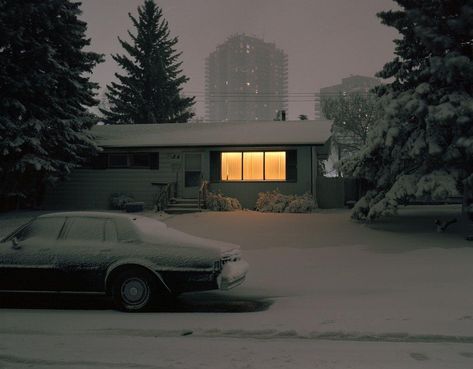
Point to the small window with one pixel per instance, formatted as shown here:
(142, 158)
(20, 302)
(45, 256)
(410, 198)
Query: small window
(140, 160)
(47, 228)
(85, 229)
(118, 160)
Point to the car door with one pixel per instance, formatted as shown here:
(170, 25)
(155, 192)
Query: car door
(87, 249)
(28, 260)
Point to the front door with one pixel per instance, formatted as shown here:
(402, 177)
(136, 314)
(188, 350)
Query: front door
(192, 174)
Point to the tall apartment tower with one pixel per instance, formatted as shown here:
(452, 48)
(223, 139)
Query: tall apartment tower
(246, 79)
(352, 84)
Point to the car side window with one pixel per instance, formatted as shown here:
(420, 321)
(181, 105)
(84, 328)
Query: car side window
(47, 228)
(85, 229)
(110, 231)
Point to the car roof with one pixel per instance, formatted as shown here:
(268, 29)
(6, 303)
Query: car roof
(89, 214)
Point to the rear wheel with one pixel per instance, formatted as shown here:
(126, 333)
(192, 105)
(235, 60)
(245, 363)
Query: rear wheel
(135, 290)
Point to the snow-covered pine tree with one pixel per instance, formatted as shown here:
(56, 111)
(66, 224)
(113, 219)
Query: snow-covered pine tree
(44, 94)
(423, 144)
(150, 90)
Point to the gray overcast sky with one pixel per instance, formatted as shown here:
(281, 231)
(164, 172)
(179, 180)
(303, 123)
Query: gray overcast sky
(325, 40)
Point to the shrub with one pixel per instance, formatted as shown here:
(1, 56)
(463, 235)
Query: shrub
(276, 202)
(118, 201)
(218, 202)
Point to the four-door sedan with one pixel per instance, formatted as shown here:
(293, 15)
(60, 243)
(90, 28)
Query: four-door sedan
(137, 260)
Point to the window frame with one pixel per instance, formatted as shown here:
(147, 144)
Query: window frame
(104, 160)
(264, 180)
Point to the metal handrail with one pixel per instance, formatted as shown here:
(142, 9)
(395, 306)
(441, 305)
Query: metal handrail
(203, 190)
(167, 193)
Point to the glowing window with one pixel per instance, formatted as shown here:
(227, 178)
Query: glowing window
(253, 166)
(275, 165)
(231, 166)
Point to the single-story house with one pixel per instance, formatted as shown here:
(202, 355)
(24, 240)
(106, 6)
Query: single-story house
(239, 159)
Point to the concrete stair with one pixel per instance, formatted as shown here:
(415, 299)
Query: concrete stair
(182, 206)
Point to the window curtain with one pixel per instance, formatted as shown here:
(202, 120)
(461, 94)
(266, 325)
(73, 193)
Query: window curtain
(275, 165)
(253, 166)
(231, 166)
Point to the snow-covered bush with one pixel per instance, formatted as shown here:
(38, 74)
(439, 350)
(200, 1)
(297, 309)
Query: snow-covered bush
(276, 202)
(218, 202)
(118, 201)
(301, 204)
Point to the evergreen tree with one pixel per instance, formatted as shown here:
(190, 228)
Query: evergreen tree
(423, 144)
(44, 94)
(150, 91)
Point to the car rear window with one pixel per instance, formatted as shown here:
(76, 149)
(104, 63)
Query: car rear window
(148, 225)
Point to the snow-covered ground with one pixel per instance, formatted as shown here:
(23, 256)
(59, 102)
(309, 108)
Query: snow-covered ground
(322, 292)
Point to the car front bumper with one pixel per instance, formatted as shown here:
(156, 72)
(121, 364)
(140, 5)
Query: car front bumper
(233, 274)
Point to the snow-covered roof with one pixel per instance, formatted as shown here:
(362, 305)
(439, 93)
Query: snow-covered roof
(214, 134)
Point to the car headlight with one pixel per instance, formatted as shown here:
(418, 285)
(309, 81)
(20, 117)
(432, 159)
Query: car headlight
(229, 256)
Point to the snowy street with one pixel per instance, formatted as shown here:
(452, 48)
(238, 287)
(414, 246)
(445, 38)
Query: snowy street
(322, 292)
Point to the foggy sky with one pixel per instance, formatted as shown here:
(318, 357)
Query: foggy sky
(325, 40)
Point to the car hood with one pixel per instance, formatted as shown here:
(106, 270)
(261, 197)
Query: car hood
(173, 238)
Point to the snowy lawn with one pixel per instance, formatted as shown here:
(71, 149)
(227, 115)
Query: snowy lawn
(322, 292)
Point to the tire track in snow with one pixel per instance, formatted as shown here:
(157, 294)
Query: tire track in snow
(266, 334)
(12, 359)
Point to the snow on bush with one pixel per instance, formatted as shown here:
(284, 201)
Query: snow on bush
(276, 202)
(118, 201)
(218, 202)
(438, 185)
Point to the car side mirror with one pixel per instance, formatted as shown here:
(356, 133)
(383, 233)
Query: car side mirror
(14, 244)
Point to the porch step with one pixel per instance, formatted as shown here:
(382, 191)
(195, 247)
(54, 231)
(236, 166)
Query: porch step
(182, 206)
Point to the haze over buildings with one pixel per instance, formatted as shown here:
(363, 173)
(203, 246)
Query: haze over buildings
(246, 79)
(352, 84)
(325, 40)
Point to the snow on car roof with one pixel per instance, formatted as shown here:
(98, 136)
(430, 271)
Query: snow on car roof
(213, 134)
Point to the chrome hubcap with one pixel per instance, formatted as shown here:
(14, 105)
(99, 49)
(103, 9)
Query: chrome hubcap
(135, 291)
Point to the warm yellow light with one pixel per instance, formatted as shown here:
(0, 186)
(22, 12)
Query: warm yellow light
(253, 166)
(231, 166)
(275, 165)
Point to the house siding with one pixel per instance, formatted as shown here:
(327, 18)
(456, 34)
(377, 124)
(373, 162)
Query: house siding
(92, 188)
(247, 192)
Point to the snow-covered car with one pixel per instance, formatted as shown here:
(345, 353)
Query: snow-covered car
(137, 260)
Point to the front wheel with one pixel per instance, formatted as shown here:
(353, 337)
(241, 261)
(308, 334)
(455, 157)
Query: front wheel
(134, 290)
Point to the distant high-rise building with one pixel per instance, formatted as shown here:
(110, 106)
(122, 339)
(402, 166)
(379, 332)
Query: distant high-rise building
(246, 79)
(352, 84)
